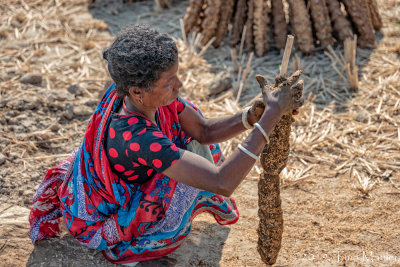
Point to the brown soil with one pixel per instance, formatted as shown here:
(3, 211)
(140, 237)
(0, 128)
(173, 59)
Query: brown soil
(329, 219)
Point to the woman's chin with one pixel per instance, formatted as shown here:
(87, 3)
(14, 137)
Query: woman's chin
(168, 103)
(173, 99)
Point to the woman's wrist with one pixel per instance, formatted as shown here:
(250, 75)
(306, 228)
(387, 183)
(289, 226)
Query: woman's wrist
(258, 111)
(269, 119)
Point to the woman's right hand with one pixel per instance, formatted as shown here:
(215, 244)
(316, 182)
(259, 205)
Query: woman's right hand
(196, 171)
(285, 96)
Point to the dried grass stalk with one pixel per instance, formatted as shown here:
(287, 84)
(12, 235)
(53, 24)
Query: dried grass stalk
(211, 20)
(341, 24)
(238, 22)
(226, 11)
(321, 22)
(301, 26)
(192, 14)
(375, 17)
(260, 26)
(350, 48)
(279, 22)
(360, 15)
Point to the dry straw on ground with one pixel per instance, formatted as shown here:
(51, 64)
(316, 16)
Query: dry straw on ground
(338, 131)
(337, 128)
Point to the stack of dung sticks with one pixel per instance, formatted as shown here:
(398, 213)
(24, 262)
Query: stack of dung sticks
(312, 22)
(273, 159)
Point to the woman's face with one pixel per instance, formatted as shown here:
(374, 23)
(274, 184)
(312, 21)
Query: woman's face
(165, 90)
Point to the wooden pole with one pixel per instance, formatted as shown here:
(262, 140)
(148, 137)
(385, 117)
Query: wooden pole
(286, 55)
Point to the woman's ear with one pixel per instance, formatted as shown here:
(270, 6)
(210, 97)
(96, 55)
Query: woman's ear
(136, 93)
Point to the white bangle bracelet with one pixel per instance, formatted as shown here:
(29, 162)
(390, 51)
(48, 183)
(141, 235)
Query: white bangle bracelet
(254, 156)
(245, 122)
(258, 126)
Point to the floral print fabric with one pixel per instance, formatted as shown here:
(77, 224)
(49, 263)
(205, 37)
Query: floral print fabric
(128, 222)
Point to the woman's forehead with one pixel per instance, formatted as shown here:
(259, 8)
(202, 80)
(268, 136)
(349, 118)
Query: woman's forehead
(170, 72)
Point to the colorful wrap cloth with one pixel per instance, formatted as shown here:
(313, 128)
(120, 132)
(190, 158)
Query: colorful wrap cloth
(130, 223)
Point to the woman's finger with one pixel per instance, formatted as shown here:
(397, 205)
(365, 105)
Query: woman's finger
(279, 80)
(293, 78)
(297, 89)
(298, 103)
(262, 81)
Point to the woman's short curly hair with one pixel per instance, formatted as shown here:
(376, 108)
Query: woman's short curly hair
(138, 56)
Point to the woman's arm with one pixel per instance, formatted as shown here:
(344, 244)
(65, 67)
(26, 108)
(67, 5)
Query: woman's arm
(198, 172)
(213, 130)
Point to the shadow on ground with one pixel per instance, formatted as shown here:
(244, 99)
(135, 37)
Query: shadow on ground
(118, 14)
(205, 242)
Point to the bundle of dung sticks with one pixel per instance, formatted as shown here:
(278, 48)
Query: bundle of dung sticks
(312, 22)
(273, 160)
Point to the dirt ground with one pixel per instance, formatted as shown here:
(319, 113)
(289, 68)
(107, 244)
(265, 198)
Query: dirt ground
(52, 75)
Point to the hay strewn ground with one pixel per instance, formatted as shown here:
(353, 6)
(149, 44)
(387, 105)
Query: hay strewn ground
(341, 188)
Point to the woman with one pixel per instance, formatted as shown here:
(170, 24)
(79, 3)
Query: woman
(143, 171)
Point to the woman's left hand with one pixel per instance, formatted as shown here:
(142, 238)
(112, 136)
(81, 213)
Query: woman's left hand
(255, 112)
(257, 109)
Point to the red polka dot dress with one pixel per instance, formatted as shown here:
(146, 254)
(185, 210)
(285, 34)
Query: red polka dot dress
(112, 194)
(137, 149)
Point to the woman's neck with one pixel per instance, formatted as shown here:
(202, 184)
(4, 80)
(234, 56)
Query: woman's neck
(148, 112)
